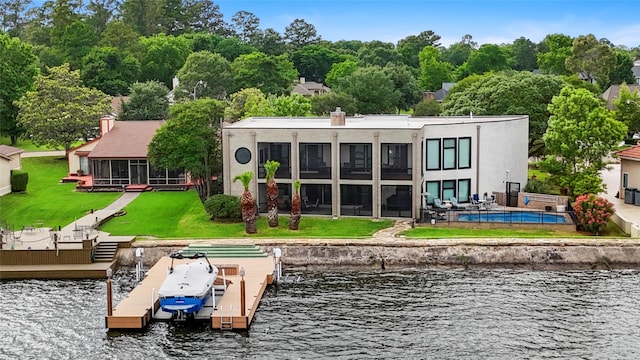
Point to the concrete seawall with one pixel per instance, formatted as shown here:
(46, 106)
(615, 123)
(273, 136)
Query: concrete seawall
(498, 253)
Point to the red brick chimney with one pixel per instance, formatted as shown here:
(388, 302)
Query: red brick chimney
(338, 117)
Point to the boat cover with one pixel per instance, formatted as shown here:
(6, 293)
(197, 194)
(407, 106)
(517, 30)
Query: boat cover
(191, 279)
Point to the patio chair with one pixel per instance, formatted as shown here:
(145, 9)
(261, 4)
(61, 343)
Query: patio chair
(308, 205)
(440, 209)
(437, 203)
(456, 205)
(476, 203)
(491, 202)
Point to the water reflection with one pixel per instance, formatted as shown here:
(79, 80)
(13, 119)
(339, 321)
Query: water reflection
(498, 314)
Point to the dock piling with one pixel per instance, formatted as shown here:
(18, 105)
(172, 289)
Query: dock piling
(109, 293)
(242, 294)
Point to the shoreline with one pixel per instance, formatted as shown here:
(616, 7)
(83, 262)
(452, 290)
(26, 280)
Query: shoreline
(537, 254)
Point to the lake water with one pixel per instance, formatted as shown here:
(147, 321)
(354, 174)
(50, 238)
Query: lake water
(402, 314)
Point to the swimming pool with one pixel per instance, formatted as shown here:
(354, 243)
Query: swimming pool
(529, 217)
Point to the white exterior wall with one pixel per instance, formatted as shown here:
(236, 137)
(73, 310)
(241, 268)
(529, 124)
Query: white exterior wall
(497, 144)
(6, 165)
(73, 160)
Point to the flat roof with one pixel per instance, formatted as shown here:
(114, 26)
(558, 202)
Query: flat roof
(364, 122)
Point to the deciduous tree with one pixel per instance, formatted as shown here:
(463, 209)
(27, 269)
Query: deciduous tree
(592, 59)
(163, 56)
(314, 61)
(147, 101)
(489, 57)
(271, 74)
(18, 68)
(60, 110)
(581, 133)
(189, 140)
(553, 53)
(507, 93)
(627, 109)
(378, 53)
(110, 70)
(373, 89)
(412, 45)
(432, 71)
(208, 73)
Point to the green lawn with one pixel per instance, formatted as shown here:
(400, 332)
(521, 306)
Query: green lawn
(47, 200)
(25, 145)
(181, 215)
(429, 232)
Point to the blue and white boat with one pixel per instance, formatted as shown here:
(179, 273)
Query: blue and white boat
(187, 287)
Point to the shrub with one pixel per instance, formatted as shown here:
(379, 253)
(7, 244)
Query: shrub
(19, 180)
(429, 107)
(592, 212)
(537, 186)
(222, 206)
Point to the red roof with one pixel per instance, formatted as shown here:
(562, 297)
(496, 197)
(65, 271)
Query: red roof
(632, 153)
(127, 139)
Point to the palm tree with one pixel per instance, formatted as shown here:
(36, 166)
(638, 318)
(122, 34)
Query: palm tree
(271, 166)
(247, 203)
(294, 220)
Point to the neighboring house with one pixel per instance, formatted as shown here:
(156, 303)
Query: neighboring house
(118, 158)
(444, 91)
(310, 88)
(629, 169)
(377, 165)
(10, 159)
(613, 92)
(636, 71)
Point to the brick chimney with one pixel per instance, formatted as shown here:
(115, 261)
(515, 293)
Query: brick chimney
(106, 124)
(338, 117)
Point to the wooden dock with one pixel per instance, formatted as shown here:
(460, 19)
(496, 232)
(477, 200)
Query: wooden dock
(137, 310)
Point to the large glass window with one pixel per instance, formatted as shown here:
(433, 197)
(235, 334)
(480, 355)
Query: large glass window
(448, 189)
(355, 200)
(396, 200)
(433, 191)
(449, 154)
(464, 189)
(433, 154)
(280, 152)
(395, 161)
(355, 161)
(315, 161)
(316, 198)
(464, 153)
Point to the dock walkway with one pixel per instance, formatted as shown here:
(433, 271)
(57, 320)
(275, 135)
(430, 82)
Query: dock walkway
(138, 309)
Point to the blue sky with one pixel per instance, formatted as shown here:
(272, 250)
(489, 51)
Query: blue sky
(486, 21)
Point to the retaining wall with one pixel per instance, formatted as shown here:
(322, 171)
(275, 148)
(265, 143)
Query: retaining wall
(540, 255)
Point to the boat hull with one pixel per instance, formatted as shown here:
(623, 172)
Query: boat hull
(187, 287)
(184, 304)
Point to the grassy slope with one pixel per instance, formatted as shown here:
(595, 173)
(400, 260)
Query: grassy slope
(48, 200)
(181, 215)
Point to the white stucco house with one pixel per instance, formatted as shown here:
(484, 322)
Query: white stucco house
(377, 165)
(10, 159)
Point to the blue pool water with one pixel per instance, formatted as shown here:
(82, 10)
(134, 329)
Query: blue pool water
(514, 217)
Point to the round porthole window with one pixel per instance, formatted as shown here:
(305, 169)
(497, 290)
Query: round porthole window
(243, 155)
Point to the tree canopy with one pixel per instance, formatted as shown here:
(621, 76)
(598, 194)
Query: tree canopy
(271, 74)
(580, 134)
(61, 110)
(18, 67)
(204, 74)
(189, 140)
(508, 93)
(147, 101)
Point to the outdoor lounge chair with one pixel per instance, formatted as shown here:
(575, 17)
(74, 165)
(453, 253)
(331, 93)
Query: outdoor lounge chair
(475, 202)
(437, 204)
(456, 205)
